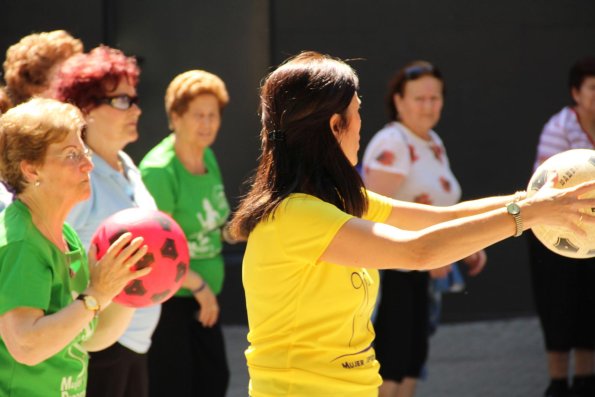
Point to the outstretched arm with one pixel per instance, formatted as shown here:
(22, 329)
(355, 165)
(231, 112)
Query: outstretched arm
(368, 244)
(414, 216)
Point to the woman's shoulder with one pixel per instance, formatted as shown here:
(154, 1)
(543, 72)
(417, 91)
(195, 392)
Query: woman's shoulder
(16, 226)
(161, 155)
(564, 118)
(393, 130)
(391, 135)
(127, 161)
(436, 138)
(305, 207)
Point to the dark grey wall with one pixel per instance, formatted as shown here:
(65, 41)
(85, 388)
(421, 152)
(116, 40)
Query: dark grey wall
(505, 66)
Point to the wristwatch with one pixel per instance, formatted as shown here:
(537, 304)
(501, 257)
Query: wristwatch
(514, 210)
(90, 303)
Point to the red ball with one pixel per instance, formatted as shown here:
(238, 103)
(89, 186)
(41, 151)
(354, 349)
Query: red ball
(167, 254)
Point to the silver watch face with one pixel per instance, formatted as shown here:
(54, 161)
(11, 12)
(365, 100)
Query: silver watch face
(90, 302)
(513, 209)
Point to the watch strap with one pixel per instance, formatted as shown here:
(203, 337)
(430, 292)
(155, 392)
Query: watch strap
(516, 215)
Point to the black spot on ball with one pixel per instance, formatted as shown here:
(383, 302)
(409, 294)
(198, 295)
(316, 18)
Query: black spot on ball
(169, 250)
(165, 223)
(116, 236)
(160, 296)
(136, 288)
(592, 160)
(563, 244)
(181, 269)
(540, 180)
(147, 260)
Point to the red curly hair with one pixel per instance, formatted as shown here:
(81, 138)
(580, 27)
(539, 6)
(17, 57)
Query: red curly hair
(85, 79)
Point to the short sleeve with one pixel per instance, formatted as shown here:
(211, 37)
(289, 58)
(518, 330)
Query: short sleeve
(25, 278)
(552, 140)
(308, 225)
(160, 183)
(379, 207)
(388, 152)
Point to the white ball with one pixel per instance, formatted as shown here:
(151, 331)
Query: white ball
(573, 167)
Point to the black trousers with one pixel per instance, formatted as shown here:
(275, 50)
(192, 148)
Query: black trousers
(402, 321)
(564, 293)
(186, 359)
(118, 372)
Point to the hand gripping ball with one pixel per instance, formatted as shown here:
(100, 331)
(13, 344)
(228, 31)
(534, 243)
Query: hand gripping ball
(167, 254)
(572, 167)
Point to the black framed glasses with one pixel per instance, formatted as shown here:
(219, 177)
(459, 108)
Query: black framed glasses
(120, 102)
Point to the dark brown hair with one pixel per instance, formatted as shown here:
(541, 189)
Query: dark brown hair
(299, 152)
(412, 71)
(582, 69)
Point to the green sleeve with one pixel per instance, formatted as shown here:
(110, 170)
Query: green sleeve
(161, 184)
(25, 277)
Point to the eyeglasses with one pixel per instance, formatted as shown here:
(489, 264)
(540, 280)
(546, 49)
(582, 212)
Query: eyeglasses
(76, 156)
(120, 102)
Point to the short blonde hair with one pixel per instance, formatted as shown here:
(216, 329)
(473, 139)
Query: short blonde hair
(26, 132)
(5, 102)
(188, 85)
(29, 62)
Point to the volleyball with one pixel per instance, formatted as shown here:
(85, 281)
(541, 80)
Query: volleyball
(572, 168)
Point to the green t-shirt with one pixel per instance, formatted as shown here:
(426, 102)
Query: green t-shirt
(196, 202)
(35, 273)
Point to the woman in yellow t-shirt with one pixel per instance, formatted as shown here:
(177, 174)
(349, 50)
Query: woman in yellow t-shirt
(316, 237)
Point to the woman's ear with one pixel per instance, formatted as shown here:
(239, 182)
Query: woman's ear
(397, 101)
(174, 119)
(30, 171)
(575, 94)
(335, 124)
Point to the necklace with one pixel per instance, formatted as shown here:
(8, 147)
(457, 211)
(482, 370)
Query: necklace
(59, 243)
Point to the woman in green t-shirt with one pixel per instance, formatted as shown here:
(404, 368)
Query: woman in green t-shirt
(187, 356)
(53, 305)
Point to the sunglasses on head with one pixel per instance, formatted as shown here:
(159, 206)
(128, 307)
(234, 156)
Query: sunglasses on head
(413, 72)
(120, 102)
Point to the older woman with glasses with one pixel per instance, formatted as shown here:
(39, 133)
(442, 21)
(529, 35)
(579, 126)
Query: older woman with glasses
(50, 299)
(102, 84)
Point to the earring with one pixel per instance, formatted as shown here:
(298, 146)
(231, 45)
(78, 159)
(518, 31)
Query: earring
(37, 183)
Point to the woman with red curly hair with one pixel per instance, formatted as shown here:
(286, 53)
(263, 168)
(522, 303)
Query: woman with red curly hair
(102, 84)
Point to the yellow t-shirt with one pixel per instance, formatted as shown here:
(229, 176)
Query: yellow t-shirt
(310, 329)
